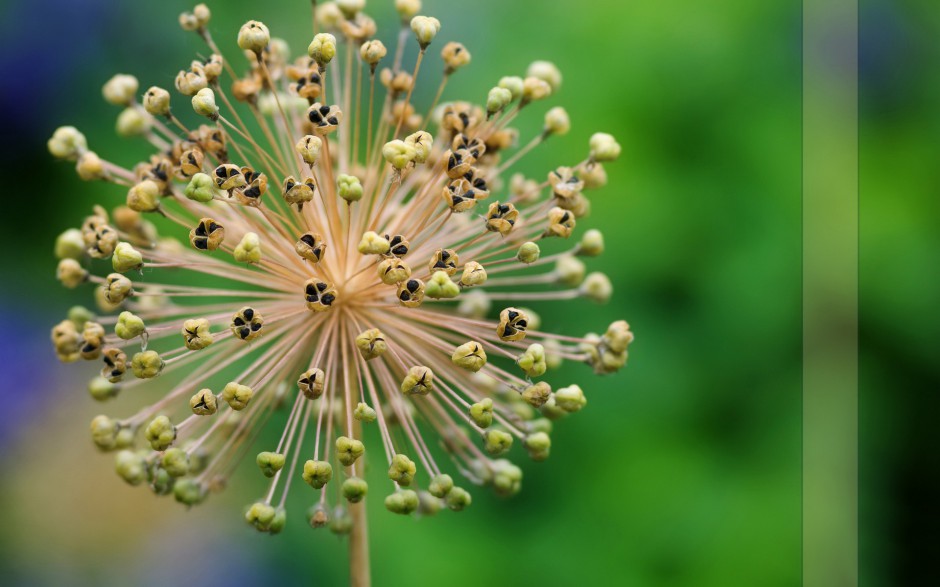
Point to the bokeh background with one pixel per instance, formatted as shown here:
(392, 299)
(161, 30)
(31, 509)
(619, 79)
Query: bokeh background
(684, 470)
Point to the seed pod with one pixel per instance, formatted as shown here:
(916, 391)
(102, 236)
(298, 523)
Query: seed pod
(425, 29)
(196, 335)
(411, 293)
(482, 413)
(296, 193)
(512, 325)
(418, 381)
(310, 246)
(445, 260)
(311, 383)
(348, 450)
(247, 324)
(371, 344)
(208, 235)
(349, 187)
(565, 184)
(373, 244)
(309, 147)
(459, 195)
(325, 118)
(537, 394)
(469, 356)
(248, 249)
(115, 364)
(236, 395)
(256, 186)
(501, 218)
(319, 295)
(229, 177)
(203, 403)
(70, 273)
(473, 274)
(402, 470)
(317, 473)
(393, 271)
(253, 36)
(560, 223)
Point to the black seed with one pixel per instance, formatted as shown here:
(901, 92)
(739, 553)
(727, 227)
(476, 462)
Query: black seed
(404, 296)
(244, 332)
(238, 321)
(321, 287)
(256, 326)
(513, 314)
(248, 313)
(308, 239)
(201, 230)
(413, 285)
(328, 299)
(333, 120)
(324, 110)
(201, 243)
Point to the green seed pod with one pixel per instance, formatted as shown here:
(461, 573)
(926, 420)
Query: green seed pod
(270, 463)
(570, 399)
(402, 502)
(497, 442)
(355, 489)
(537, 394)
(349, 188)
(131, 466)
(592, 244)
(458, 499)
(507, 478)
(348, 450)
(532, 361)
(129, 326)
(101, 389)
(440, 286)
(160, 433)
(317, 473)
(147, 364)
(189, 492)
(539, 445)
(373, 244)
(364, 413)
(237, 395)
(261, 516)
(402, 470)
(201, 188)
(175, 461)
(469, 356)
(70, 245)
(418, 381)
(441, 485)
(482, 413)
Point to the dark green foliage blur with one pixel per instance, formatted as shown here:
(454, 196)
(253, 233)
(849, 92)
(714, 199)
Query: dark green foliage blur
(684, 469)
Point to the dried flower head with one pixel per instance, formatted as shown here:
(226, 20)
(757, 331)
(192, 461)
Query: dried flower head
(342, 299)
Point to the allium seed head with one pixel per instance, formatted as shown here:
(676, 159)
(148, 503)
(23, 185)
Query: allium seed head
(369, 288)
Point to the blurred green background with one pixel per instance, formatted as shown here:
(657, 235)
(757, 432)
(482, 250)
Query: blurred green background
(684, 470)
